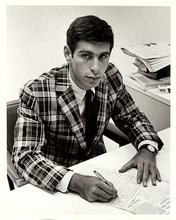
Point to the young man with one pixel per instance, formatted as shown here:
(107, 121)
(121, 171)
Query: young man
(51, 132)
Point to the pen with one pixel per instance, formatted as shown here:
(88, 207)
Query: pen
(100, 177)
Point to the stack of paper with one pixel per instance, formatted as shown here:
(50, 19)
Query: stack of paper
(145, 83)
(152, 59)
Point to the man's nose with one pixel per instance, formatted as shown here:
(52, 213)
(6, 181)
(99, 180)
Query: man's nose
(95, 66)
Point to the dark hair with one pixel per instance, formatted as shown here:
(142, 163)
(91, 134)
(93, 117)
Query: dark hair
(89, 28)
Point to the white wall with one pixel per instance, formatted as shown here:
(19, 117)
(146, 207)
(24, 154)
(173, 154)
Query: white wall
(36, 36)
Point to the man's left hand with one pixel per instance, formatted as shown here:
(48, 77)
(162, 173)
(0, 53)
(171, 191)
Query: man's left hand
(145, 162)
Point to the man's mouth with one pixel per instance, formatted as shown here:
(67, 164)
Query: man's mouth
(94, 77)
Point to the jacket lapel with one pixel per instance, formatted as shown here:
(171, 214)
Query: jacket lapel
(69, 106)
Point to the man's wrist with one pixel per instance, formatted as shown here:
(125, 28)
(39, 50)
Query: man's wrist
(74, 183)
(150, 148)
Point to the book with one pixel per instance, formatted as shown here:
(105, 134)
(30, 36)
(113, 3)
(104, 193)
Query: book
(150, 57)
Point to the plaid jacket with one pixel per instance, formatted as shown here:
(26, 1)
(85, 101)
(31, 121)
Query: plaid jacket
(49, 135)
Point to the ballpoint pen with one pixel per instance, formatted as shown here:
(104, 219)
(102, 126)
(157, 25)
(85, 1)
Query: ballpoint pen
(100, 177)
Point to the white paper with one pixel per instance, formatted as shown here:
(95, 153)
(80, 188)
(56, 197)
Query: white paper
(134, 197)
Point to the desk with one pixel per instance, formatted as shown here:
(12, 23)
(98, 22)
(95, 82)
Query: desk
(155, 105)
(28, 200)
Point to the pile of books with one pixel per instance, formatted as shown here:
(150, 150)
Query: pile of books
(153, 64)
(151, 59)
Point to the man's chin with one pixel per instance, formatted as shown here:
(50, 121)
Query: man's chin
(93, 84)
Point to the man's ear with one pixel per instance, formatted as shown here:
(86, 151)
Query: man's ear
(67, 53)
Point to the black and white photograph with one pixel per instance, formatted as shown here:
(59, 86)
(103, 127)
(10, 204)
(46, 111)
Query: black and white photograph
(88, 112)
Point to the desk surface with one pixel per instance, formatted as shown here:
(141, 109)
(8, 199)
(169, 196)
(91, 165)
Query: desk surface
(32, 201)
(153, 93)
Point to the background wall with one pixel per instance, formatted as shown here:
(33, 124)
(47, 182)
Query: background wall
(36, 36)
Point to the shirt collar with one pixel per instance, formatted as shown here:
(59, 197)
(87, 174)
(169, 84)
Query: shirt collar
(79, 93)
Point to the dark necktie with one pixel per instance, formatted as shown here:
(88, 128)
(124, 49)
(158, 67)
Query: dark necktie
(90, 118)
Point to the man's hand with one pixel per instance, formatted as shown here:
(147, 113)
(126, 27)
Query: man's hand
(92, 188)
(145, 162)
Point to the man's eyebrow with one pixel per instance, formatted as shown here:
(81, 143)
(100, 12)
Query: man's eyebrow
(105, 53)
(90, 52)
(85, 51)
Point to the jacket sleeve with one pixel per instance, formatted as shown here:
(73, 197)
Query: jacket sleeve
(28, 141)
(130, 119)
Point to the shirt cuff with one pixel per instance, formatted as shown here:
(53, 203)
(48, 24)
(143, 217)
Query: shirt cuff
(153, 143)
(63, 184)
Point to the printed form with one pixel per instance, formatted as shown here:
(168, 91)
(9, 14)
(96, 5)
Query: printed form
(134, 197)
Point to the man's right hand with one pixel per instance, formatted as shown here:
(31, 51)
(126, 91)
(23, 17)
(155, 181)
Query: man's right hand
(92, 188)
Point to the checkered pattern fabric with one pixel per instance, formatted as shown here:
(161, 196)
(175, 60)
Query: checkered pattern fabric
(49, 134)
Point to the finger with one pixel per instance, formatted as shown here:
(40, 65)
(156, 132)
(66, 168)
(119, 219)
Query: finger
(95, 198)
(139, 173)
(158, 176)
(145, 176)
(96, 194)
(108, 187)
(153, 174)
(103, 194)
(101, 199)
(114, 190)
(127, 167)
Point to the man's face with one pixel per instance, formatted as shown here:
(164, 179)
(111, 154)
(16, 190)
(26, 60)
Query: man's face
(88, 63)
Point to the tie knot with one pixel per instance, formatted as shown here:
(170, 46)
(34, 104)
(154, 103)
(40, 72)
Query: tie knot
(89, 96)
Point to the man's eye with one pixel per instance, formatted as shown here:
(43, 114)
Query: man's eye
(104, 57)
(86, 56)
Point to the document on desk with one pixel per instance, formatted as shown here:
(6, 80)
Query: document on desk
(134, 197)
